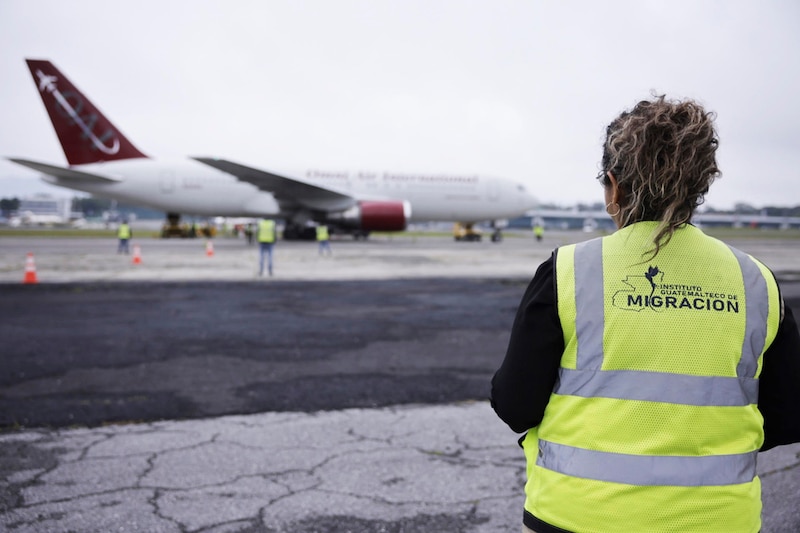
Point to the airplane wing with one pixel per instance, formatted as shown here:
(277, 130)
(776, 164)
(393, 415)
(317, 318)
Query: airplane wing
(289, 192)
(65, 173)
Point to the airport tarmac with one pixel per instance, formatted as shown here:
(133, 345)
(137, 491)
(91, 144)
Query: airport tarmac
(393, 256)
(416, 463)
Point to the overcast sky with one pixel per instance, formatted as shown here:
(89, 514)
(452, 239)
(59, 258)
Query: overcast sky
(521, 89)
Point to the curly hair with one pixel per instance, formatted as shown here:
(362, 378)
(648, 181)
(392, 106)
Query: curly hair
(663, 156)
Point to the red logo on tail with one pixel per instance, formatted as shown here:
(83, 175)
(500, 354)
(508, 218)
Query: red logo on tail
(86, 135)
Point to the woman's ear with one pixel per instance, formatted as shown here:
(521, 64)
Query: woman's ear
(617, 196)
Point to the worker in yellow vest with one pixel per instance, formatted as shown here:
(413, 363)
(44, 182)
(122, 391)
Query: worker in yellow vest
(266, 241)
(323, 238)
(649, 367)
(538, 232)
(124, 235)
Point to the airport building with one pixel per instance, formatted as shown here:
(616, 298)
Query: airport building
(43, 209)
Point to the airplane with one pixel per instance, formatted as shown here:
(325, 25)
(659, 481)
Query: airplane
(103, 162)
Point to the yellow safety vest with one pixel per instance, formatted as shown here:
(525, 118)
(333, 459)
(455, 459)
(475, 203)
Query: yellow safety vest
(124, 231)
(322, 233)
(653, 423)
(266, 231)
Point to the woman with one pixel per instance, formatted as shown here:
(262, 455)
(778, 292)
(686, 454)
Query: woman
(635, 359)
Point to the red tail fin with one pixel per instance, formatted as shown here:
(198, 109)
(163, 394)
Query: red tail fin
(86, 135)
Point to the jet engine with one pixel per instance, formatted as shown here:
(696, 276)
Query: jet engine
(375, 215)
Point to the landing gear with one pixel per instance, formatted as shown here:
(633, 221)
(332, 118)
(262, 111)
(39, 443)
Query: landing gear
(497, 226)
(294, 231)
(299, 232)
(172, 227)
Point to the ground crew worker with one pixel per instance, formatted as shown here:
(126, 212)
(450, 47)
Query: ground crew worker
(538, 232)
(266, 240)
(124, 235)
(641, 363)
(324, 239)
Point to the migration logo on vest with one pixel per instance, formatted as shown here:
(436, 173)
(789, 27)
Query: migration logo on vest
(648, 291)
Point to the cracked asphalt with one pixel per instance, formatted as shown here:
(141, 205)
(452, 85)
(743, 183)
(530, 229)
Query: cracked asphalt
(342, 395)
(393, 469)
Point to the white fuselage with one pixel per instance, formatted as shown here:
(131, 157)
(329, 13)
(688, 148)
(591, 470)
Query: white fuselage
(189, 187)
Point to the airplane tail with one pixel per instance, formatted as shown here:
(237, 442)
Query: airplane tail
(86, 135)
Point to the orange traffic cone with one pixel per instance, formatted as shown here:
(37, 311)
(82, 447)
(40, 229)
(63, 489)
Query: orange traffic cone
(209, 249)
(137, 254)
(30, 270)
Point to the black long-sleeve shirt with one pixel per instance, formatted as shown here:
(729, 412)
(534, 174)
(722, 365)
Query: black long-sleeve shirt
(522, 385)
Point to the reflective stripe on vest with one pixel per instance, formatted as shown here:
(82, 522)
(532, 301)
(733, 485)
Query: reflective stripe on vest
(756, 305)
(659, 387)
(681, 471)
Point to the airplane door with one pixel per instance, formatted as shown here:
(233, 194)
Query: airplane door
(167, 182)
